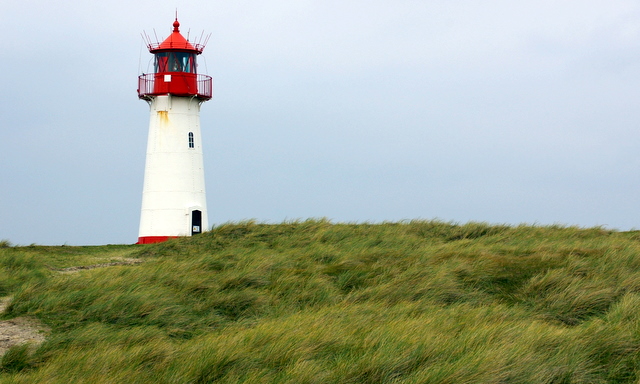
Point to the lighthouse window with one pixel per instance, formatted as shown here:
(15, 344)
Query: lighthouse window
(191, 142)
(175, 62)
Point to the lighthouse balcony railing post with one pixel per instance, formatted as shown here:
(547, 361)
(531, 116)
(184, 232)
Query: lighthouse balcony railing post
(146, 87)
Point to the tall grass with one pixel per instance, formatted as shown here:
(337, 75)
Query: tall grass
(317, 302)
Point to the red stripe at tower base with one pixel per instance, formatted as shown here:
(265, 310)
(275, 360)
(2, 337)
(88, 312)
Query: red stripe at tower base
(154, 239)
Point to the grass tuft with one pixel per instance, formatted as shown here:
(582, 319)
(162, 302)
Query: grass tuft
(16, 359)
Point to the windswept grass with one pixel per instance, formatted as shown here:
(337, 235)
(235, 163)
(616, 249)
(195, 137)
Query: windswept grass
(317, 302)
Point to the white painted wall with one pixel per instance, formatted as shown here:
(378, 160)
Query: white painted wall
(174, 173)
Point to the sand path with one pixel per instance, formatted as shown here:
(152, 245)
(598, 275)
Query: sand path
(20, 330)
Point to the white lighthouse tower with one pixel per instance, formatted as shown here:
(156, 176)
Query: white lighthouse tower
(173, 197)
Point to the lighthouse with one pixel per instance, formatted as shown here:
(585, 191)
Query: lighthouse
(173, 197)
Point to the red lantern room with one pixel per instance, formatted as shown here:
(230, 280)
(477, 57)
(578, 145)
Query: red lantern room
(175, 70)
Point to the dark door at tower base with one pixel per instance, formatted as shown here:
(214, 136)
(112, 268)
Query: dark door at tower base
(196, 222)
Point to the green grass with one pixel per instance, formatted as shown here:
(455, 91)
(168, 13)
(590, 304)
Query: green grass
(317, 302)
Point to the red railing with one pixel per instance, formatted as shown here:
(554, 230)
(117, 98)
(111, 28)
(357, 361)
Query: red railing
(181, 84)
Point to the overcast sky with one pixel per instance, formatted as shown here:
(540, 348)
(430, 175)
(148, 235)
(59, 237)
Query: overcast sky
(494, 111)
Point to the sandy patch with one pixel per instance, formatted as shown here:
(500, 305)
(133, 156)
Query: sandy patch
(20, 330)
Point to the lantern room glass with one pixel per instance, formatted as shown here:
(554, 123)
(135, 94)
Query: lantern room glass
(175, 62)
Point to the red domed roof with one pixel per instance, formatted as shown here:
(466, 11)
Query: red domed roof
(176, 42)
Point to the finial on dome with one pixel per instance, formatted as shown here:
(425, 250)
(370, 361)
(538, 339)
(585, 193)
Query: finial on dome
(176, 25)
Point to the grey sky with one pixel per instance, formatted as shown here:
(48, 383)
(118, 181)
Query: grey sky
(496, 111)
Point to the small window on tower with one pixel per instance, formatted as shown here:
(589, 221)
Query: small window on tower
(191, 143)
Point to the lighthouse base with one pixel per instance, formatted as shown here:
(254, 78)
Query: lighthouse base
(154, 239)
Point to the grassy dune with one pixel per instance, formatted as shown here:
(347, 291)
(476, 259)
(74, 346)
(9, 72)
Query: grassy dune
(317, 302)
